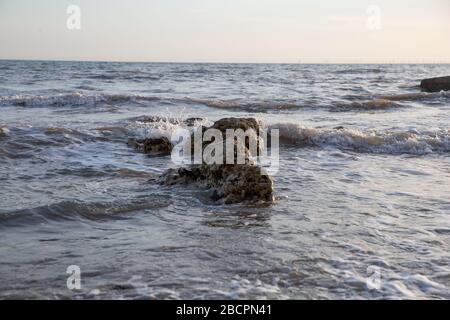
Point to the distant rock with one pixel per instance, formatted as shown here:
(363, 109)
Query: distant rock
(155, 147)
(436, 84)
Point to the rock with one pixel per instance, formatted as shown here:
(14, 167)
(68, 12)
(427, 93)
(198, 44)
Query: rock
(228, 183)
(182, 176)
(154, 147)
(237, 123)
(436, 84)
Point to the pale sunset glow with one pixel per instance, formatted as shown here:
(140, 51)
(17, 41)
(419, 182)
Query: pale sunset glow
(286, 31)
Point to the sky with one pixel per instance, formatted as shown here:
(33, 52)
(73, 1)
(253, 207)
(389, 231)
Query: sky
(250, 31)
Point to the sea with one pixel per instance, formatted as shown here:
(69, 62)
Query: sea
(362, 193)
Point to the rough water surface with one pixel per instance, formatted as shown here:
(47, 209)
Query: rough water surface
(363, 183)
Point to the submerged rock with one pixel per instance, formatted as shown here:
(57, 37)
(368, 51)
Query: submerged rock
(436, 84)
(155, 147)
(229, 183)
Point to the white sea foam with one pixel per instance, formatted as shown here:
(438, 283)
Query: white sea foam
(163, 127)
(4, 131)
(70, 99)
(417, 142)
(370, 141)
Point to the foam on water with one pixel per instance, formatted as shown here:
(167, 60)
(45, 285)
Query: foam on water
(86, 98)
(418, 142)
(70, 99)
(413, 141)
(163, 127)
(4, 131)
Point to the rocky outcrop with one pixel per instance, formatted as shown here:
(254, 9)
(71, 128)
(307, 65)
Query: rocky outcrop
(228, 183)
(237, 123)
(436, 84)
(153, 147)
(243, 124)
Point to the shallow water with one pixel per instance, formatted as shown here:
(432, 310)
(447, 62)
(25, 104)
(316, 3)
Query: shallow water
(363, 184)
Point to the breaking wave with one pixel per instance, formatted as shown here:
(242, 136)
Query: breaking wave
(369, 141)
(383, 102)
(80, 98)
(255, 106)
(71, 99)
(161, 127)
(358, 103)
(370, 105)
(415, 142)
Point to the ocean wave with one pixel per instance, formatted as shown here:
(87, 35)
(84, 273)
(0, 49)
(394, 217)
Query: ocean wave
(76, 210)
(369, 105)
(254, 106)
(346, 103)
(27, 142)
(124, 77)
(353, 71)
(416, 96)
(160, 127)
(89, 172)
(71, 99)
(416, 142)
(383, 102)
(368, 141)
(356, 103)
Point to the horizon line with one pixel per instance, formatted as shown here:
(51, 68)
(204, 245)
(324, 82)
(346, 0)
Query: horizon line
(324, 62)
